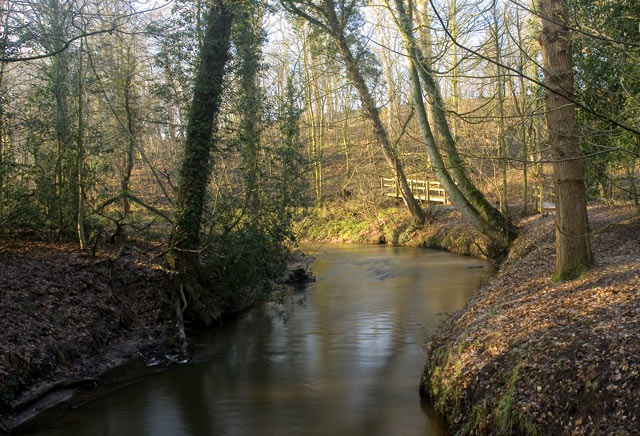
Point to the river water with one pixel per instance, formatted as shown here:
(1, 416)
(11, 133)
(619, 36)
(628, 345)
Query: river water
(342, 357)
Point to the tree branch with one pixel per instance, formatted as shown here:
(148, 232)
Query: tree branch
(64, 47)
(290, 7)
(531, 79)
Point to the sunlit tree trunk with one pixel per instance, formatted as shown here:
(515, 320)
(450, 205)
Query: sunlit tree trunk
(454, 80)
(503, 151)
(492, 217)
(312, 109)
(458, 197)
(424, 20)
(387, 69)
(573, 242)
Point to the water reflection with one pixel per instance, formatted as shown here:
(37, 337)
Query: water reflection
(344, 360)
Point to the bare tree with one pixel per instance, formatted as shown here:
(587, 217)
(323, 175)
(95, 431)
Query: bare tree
(325, 17)
(470, 201)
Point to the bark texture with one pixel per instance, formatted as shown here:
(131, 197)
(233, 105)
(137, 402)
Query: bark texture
(372, 112)
(196, 165)
(573, 242)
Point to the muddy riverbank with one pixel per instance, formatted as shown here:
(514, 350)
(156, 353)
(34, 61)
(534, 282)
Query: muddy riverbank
(66, 317)
(69, 319)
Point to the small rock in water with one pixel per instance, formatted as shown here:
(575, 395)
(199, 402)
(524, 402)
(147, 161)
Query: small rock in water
(300, 275)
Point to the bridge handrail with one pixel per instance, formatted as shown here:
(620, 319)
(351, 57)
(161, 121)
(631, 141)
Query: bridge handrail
(428, 190)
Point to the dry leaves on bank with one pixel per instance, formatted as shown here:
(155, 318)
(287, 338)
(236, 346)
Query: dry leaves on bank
(527, 355)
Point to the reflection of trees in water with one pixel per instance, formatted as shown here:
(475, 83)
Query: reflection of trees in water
(346, 362)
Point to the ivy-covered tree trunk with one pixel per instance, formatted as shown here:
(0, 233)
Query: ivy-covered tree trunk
(573, 243)
(196, 164)
(247, 39)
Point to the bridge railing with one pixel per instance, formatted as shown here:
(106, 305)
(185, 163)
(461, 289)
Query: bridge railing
(430, 191)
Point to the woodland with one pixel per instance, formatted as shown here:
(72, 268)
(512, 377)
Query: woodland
(193, 141)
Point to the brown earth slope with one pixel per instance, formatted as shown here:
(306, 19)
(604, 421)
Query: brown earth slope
(527, 356)
(65, 316)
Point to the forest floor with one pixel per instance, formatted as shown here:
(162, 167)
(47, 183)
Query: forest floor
(67, 316)
(75, 326)
(528, 356)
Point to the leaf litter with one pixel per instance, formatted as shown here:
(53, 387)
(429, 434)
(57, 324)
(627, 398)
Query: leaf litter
(66, 315)
(527, 356)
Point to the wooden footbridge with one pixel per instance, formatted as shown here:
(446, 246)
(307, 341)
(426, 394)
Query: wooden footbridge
(429, 191)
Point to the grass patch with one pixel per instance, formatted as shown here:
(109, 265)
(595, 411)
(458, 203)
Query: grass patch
(509, 420)
(361, 221)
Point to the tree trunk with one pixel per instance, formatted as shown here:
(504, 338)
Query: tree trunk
(454, 81)
(247, 41)
(573, 243)
(425, 43)
(66, 175)
(503, 151)
(82, 239)
(196, 164)
(387, 68)
(494, 221)
(311, 113)
(372, 114)
(131, 143)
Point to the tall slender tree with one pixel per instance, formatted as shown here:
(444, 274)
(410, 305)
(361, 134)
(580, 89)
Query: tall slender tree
(336, 24)
(470, 200)
(573, 242)
(196, 164)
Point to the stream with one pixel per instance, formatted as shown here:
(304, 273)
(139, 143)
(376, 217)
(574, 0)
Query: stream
(342, 357)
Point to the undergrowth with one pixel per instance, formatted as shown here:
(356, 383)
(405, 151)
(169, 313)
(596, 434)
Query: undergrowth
(366, 222)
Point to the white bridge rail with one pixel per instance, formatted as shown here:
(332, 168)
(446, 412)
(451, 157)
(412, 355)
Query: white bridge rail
(430, 191)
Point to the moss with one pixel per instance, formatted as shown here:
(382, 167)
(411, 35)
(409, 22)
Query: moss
(444, 382)
(480, 415)
(509, 420)
(569, 273)
(358, 221)
(505, 417)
